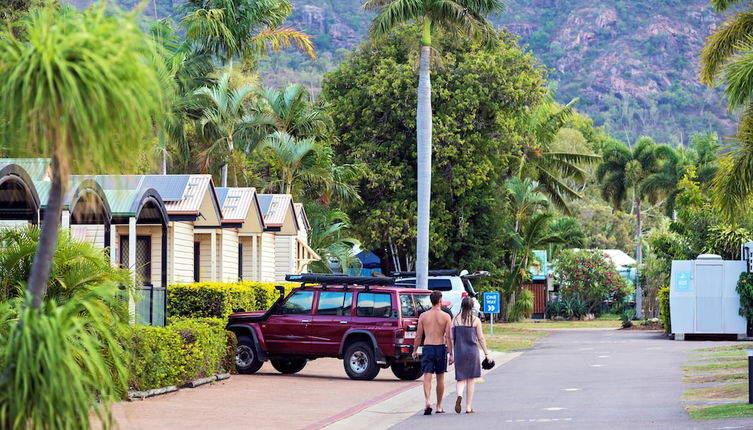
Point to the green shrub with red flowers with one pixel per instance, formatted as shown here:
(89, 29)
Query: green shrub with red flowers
(745, 289)
(590, 276)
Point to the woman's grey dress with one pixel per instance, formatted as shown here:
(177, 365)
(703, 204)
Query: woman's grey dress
(467, 361)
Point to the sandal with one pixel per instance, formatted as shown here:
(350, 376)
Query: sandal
(470, 412)
(440, 412)
(427, 411)
(457, 404)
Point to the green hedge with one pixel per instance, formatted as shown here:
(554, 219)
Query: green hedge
(179, 353)
(217, 299)
(664, 312)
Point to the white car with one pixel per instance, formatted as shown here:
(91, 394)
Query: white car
(453, 284)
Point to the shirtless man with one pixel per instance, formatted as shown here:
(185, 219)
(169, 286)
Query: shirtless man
(436, 325)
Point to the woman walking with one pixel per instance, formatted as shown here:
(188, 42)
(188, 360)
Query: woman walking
(467, 334)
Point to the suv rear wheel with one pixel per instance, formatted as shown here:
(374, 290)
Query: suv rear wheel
(407, 371)
(359, 362)
(288, 366)
(246, 360)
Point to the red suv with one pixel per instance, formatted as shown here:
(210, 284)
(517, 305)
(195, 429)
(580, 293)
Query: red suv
(367, 322)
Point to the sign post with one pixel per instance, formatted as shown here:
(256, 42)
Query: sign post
(491, 307)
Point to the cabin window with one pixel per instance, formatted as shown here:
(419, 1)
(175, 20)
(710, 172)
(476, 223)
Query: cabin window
(143, 267)
(196, 262)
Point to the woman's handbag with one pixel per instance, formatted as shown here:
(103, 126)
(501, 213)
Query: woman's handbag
(487, 364)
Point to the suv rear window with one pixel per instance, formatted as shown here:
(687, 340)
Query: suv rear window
(378, 305)
(407, 308)
(299, 303)
(434, 284)
(332, 303)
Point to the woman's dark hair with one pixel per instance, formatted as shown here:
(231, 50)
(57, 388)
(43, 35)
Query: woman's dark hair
(466, 311)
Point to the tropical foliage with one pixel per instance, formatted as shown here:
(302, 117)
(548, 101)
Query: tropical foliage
(590, 276)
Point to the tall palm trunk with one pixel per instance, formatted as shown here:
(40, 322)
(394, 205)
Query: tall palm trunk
(229, 157)
(164, 162)
(423, 147)
(48, 237)
(638, 258)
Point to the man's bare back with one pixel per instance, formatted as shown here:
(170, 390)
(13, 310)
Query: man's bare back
(435, 325)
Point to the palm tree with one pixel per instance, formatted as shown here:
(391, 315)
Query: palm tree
(454, 16)
(295, 160)
(84, 91)
(295, 113)
(671, 169)
(546, 166)
(224, 125)
(185, 70)
(624, 171)
(729, 53)
(571, 233)
(328, 238)
(535, 233)
(706, 147)
(525, 199)
(228, 29)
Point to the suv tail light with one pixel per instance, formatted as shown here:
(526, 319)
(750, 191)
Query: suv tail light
(464, 294)
(399, 336)
(447, 304)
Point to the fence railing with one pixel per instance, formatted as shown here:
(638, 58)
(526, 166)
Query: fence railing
(150, 306)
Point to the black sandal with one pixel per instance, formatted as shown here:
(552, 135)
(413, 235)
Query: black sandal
(458, 405)
(427, 411)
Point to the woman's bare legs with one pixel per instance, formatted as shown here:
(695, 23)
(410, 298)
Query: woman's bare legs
(460, 386)
(469, 394)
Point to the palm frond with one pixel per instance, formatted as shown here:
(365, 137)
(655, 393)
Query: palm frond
(722, 45)
(395, 13)
(276, 39)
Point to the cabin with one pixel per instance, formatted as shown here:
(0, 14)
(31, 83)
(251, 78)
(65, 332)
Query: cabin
(166, 229)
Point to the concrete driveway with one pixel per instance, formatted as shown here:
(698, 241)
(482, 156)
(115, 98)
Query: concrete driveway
(319, 395)
(584, 380)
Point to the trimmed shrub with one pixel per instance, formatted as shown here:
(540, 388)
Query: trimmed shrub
(217, 299)
(523, 306)
(179, 353)
(664, 314)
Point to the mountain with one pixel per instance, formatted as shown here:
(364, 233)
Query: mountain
(633, 64)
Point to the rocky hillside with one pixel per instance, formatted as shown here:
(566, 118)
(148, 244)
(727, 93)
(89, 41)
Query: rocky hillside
(632, 63)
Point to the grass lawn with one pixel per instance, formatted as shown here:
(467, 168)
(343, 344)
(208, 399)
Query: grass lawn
(718, 366)
(716, 412)
(507, 338)
(548, 324)
(727, 368)
(737, 391)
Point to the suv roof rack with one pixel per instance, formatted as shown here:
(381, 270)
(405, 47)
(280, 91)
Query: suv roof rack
(450, 272)
(312, 278)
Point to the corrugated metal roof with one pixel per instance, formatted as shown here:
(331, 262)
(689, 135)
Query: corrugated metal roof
(235, 203)
(37, 168)
(196, 187)
(303, 219)
(274, 207)
(121, 201)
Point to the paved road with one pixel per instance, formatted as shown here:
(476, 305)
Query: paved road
(584, 380)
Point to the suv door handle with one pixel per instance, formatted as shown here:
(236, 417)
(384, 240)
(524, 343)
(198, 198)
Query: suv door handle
(343, 322)
(304, 321)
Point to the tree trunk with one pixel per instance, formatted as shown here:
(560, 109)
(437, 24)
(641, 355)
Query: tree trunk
(164, 161)
(224, 175)
(423, 148)
(639, 259)
(48, 238)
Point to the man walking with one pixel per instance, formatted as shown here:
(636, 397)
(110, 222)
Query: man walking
(436, 325)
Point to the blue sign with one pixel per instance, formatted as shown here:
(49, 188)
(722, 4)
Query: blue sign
(683, 281)
(491, 303)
